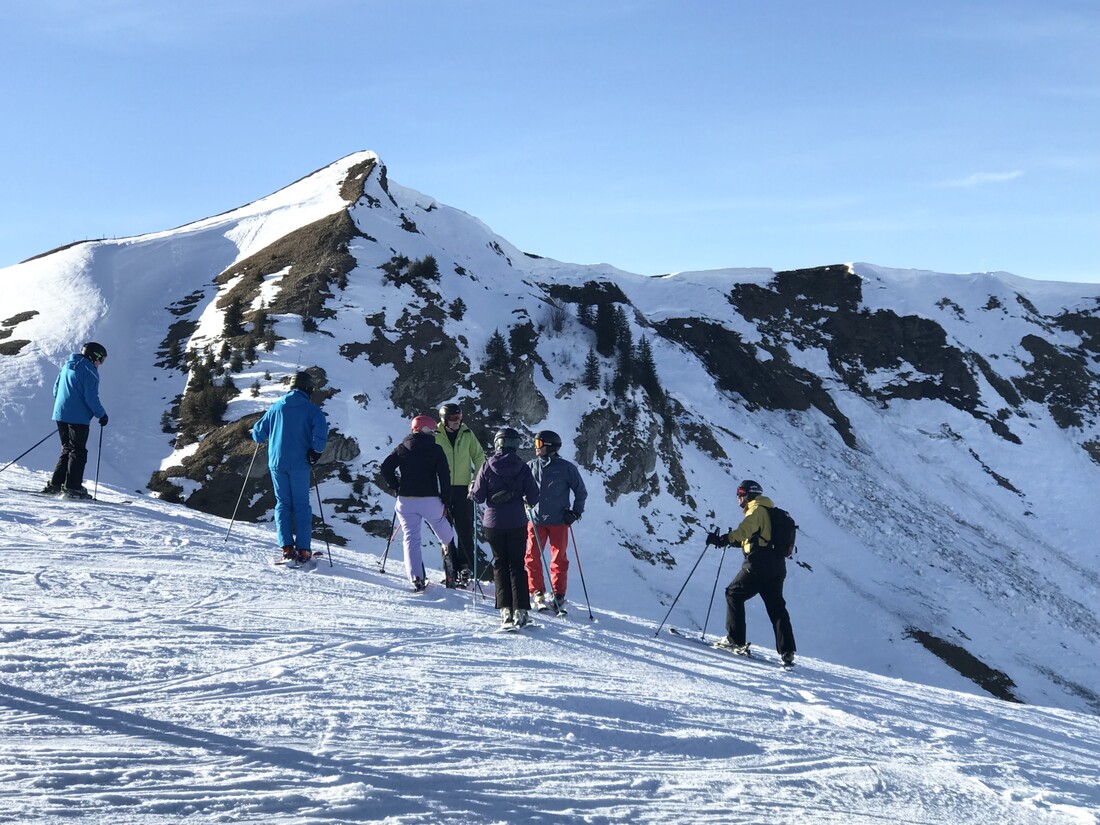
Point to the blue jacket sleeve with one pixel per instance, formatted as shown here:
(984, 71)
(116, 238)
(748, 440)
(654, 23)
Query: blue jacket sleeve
(580, 492)
(319, 429)
(530, 487)
(90, 388)
(260, 430)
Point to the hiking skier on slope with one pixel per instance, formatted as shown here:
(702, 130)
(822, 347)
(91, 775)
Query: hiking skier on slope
(417, 471)
(762, 572)
(552, 517)
(76, 403)
(464, 458)
(504, 484)
(296, 430)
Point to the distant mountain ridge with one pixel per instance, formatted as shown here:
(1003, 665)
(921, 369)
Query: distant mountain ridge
(937, 436)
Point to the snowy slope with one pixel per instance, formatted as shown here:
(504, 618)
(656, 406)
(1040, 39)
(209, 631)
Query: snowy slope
(151, 671)
(908, 530)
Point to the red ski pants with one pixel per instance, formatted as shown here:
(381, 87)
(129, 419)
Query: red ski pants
(554, 537)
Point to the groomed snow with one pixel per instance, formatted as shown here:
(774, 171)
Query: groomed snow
(151, 671)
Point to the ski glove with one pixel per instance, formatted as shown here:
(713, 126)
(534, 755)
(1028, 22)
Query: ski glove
(717, 539)
(103, 420)
(313, 456)
(570, 516)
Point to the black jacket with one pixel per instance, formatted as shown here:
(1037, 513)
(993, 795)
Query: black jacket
(418, 467)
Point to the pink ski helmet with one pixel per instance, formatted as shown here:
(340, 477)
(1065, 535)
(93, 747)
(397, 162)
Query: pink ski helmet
(423, 424)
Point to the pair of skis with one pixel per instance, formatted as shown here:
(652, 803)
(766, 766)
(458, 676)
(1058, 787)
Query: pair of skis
(559, 611)
(514, 628)
(63, 497)
(701, 640)
(295, 564)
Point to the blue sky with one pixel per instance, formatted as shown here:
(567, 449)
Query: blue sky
(655, 136)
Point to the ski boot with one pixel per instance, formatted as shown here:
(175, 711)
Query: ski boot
(727, 644)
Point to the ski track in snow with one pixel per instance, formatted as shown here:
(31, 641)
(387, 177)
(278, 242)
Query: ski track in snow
(150, 672)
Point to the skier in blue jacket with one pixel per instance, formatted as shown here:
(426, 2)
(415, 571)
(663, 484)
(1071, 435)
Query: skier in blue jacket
(296, 431)
(552, 518)
(76, 403)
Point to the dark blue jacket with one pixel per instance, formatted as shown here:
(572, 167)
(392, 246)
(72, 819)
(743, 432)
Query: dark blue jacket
(505, 471)
(418, 467)
(293, 425)
(557, 478)
(76, 392)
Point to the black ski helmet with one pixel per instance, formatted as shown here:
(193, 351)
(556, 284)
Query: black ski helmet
(449, 409)
(96, 352)
(549, 440)
(303, 381)
(507, 439)
(748, 490)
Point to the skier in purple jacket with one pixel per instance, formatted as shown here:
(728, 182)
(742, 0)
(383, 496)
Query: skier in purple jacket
(504, 484)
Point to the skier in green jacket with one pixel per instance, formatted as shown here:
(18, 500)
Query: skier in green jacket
(762, 573)
(465, 456)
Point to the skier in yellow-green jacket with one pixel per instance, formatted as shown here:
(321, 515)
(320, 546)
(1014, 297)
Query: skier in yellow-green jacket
(465, 456)
(762, 573)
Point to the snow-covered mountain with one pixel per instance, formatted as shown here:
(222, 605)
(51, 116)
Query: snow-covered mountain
(936, 436)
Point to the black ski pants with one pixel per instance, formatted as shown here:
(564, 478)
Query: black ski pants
(509, 573)
(69, 472)
(762, 574)
(461, 510)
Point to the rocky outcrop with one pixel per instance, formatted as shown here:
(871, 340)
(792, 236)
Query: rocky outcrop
(1060, 380)
(764, 380)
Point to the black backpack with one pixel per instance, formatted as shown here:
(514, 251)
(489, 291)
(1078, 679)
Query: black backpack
(503, 495)
(784, 531)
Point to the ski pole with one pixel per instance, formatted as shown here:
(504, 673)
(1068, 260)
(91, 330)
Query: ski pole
(474, 551)
(448, 559)
(53, 432)
(692, 573)
(471, 550)
(321, 513)
(799, 562)
(542, 555)
(479, 536)
(98, 455)
(706, 621)
(246, 475)
(584, 587)
(477, 576)
(393, 535)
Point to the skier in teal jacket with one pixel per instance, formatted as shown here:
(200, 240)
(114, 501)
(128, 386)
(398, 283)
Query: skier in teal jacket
(296, 430)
